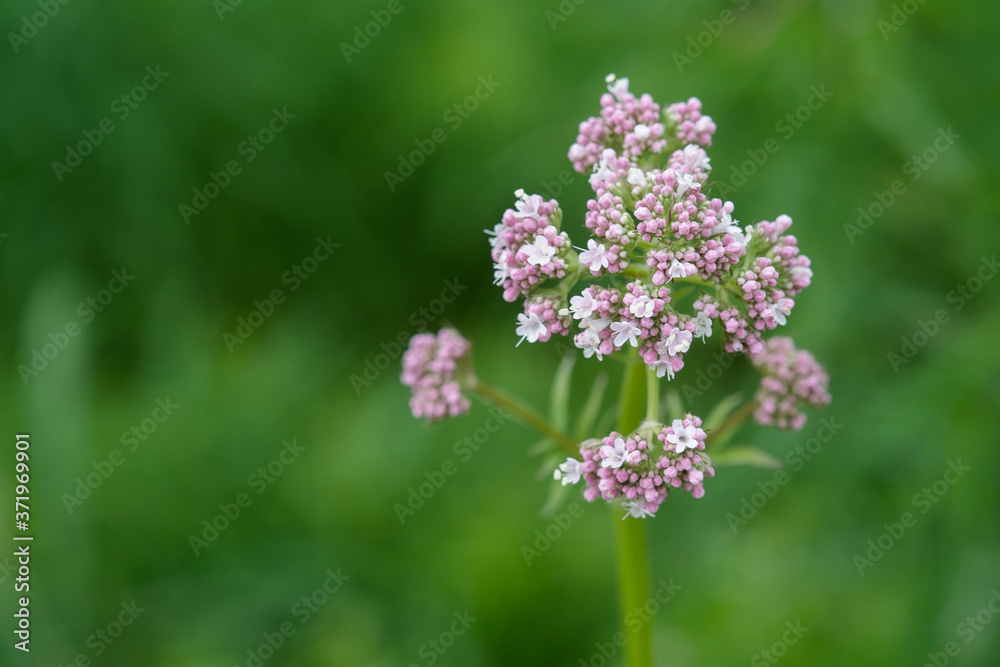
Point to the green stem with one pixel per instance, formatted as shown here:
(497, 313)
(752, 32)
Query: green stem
(633, 562)
(526, 415)
(652, 395)
(734, 421)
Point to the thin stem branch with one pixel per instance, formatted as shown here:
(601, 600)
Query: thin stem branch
(652, 395)
(526, 415)
(733, 421)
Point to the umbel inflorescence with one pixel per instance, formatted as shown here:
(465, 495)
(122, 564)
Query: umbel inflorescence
(666, 265)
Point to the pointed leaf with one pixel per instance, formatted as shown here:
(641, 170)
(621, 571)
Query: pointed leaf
(723, 409)
(588, 416)
(559, 398)
(743, 455)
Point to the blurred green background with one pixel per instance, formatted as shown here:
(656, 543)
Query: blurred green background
(323, 176)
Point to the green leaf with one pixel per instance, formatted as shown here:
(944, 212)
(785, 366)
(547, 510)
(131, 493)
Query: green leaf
(559, 398)
(588, 416)
(723, 409)
(743, 455)
(542, 446)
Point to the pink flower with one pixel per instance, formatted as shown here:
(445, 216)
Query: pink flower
(430, 366)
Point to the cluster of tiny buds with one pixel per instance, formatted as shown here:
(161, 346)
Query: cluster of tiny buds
(431, 368)
(790, 378)
(639, 470)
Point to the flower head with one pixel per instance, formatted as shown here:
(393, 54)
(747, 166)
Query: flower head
(430, 366)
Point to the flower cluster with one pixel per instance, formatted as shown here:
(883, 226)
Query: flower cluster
(789, 378)
(640, 470)
(655, 229)
(430, 369)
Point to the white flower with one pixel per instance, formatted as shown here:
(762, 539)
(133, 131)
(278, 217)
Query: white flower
(637, 177)
(614, 457)
(642, 307)
(636, 509)
(696, 157)
(527, 207)
(530, 327)
(599, 324)
(678, 342)
(682, 437)
(677, 269)
(590, 343)
(568, 472)
(626, 331)
(617, 87)
(593, 256)
(686, 182)
(500, 270)
(641, 132)
(539, 251)
(781, 310)
(582, 306)
(703, 325)
(742, 236)
(662, 366)
(496, 240)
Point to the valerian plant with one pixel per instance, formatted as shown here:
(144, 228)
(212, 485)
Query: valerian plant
(666, 266)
